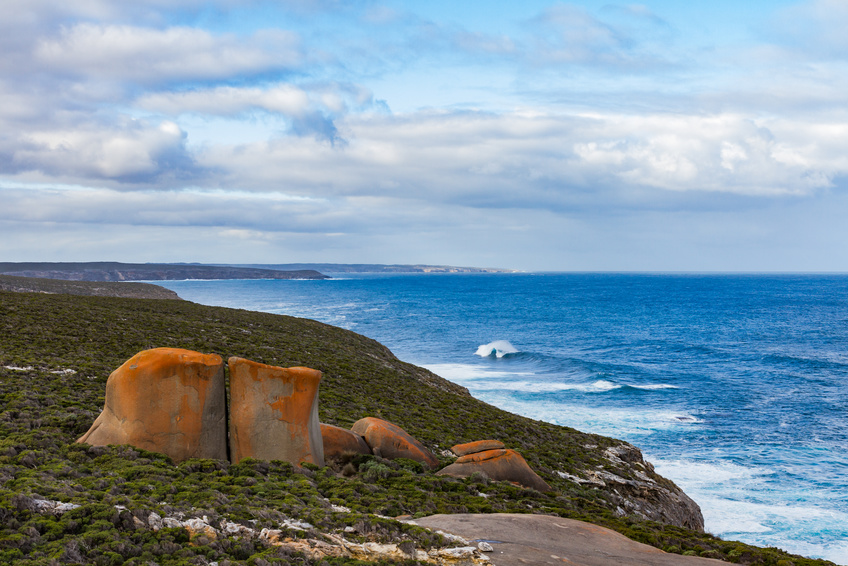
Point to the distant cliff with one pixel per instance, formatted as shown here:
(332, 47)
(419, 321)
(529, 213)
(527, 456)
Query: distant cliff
(116, 271)
(380, 268)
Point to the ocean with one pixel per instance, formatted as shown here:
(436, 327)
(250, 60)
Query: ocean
(734, 386)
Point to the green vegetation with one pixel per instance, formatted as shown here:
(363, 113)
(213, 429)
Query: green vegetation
(56, 352)
(101, 289)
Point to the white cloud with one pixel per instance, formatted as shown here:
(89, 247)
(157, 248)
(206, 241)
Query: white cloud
(285, 99)
(136, 152)
(228, 101)
(151, 56)
(541, 161)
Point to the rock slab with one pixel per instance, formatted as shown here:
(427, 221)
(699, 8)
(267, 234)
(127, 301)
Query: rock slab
(274, 413)
(540, 540)
(389, 441)
(166, 400)
(499, 465)
(476, 446)
(339, 441)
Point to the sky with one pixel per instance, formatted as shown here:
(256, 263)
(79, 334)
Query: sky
(555, 136)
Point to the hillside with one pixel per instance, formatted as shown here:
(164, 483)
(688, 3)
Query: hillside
(56, 352)
(89, 288)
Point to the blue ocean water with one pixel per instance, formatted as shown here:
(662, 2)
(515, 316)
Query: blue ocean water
(734, 386)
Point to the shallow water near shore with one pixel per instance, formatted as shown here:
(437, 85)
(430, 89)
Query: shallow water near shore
(734, 386)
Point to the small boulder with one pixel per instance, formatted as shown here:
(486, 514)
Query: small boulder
(274, 413)
(165, 400)
(477, 446)
(389, 441)
(499, 465)
(338, 441)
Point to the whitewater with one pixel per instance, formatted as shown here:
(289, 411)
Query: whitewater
(734, 386)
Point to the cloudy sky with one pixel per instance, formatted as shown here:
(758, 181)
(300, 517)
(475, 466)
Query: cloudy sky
(664, 135)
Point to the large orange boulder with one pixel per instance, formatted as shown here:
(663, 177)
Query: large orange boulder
(339, 441)
(389, 441)
(499, 465)
(166, 400)
(274, 413)
(476, 446)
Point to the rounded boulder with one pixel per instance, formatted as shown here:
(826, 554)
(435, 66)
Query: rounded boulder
(339, 441)
(476, 446)
(500, 465)
(389, 441)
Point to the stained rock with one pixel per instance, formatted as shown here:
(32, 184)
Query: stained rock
(338, 441)
(499, 465)
(165, 400)
(389, 441)
(274, 413)
(477, 446)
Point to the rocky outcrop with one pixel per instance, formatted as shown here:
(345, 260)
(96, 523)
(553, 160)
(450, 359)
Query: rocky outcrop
(389, 441)
(165, 400)
(274, 413)
(499, 465)
(340, 441)
(476, 446)
(644, 493)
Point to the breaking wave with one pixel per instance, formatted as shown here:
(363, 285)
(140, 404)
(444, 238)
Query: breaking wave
(498, 348)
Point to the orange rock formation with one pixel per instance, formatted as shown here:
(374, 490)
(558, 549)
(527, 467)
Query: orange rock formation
(389, 441)
(338, 441)
(500, 465)
(165, 400)
(274, 413)
(476, 446)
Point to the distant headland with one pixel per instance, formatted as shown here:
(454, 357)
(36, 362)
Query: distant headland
(104, 271)
(378, 268)
(117, 271)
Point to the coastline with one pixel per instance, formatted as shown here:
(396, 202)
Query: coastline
(738, 504)
(358, 354)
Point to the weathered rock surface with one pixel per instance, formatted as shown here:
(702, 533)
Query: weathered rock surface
(499, 465)
(338, 441)
(645, 494)
(522, 540)
(476, 446)
(165, 400)
(388, 440)
(274, 413)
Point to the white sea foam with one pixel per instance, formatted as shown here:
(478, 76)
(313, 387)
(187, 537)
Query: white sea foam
(728, 494)
(498, 348)
(599, 386)
(486, 379)
(465, 373)
(655, 386)
(626, 423)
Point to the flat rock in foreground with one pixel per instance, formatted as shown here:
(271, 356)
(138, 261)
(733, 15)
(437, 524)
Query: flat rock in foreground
(537, 540)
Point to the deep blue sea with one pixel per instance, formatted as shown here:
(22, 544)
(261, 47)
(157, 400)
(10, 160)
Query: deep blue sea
(734, 386)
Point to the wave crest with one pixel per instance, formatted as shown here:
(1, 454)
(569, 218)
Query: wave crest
(498, 348)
